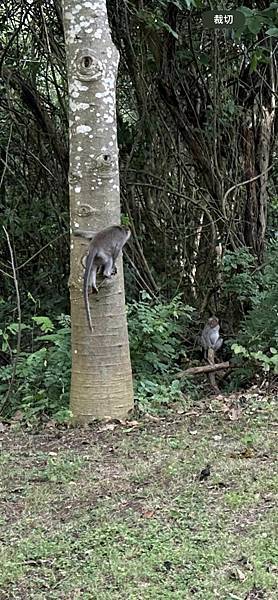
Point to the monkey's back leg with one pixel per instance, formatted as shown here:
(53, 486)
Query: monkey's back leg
(108, 267)
(92, 280)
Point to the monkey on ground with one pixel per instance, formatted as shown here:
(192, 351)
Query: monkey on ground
(210, 337)
(104, 250)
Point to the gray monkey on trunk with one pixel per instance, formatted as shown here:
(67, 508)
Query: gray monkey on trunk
(104, 250)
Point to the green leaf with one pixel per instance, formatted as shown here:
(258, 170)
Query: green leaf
(254, 25)
(273, 31)
(44, 323)
(14, 327)
(237, 349)
(270, 8)
(246, 11)
(260, 356)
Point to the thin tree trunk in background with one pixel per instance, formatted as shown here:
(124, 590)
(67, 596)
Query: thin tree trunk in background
(101, 372)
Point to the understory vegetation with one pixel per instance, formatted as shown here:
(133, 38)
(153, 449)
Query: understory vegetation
(163, 338)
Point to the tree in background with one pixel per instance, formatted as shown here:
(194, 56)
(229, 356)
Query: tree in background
(200, 121)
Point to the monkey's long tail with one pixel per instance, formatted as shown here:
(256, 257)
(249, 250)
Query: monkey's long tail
(88, 269)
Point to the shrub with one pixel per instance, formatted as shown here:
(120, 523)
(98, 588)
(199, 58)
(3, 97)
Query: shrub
(43, 376)
(257, 340)
(155, 331)
(239, 275)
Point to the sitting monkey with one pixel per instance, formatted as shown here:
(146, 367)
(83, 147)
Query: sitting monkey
(210, 337)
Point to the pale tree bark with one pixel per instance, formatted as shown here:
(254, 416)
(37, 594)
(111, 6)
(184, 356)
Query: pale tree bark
(101, 372)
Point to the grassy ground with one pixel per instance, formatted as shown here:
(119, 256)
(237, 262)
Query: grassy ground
(122, 514)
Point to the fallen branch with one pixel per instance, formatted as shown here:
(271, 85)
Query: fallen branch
(203, 369)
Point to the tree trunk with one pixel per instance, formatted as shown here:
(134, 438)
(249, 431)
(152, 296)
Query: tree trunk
(255, 162)
(101, 383)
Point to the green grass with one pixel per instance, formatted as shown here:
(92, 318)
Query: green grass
(122, 515)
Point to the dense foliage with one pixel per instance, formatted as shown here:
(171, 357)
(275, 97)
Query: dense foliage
(156, 331)
(42, 378)
(159, 341)
(40, 385)
(258, 338)
(197, 125)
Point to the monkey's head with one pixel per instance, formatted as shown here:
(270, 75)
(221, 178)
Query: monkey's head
(213, 322)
